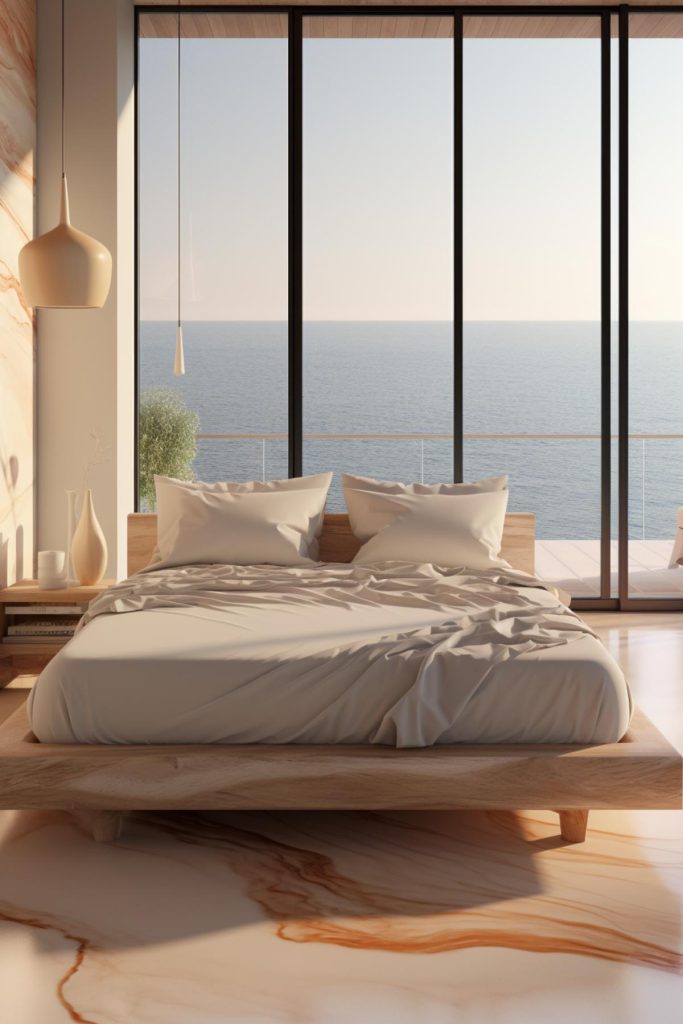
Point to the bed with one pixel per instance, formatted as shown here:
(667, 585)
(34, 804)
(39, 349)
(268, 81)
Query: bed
(101, 780)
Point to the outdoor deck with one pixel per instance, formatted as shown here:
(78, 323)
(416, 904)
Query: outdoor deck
(575, 566)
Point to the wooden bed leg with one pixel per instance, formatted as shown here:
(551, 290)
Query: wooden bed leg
(103, 826)
(573, 825)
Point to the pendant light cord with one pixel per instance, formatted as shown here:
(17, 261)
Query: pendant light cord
(179, 365)
(178, 168)
(62, 69)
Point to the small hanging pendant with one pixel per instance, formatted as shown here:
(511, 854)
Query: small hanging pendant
(179, 364)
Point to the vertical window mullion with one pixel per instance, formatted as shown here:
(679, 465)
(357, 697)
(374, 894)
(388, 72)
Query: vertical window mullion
(295, 325)
(136, 265)
(606, 309)
(623, 302)
(458, 326)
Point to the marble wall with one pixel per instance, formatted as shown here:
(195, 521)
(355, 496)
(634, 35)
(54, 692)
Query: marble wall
(86, 356)
(17, 140)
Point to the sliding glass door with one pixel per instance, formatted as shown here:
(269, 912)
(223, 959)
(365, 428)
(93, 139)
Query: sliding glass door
(395, 243)
(532, 259)
(655, 308)
(378, 247)
(213, 240)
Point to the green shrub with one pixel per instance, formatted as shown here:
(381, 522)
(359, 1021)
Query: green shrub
(167, 442)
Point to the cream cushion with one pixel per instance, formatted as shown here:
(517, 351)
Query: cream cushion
(277, 522)
(367, 516)
(449, 530)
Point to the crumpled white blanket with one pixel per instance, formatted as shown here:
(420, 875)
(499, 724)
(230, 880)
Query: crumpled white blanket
(394, 654)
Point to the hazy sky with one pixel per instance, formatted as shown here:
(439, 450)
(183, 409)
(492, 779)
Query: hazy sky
(378, 165)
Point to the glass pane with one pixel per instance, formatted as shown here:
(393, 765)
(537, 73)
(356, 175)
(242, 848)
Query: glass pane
(656, 306)
(233, 241)
(532, 278)
(378, 247)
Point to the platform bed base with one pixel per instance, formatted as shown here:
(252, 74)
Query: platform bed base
(100, 782)
(107, 826)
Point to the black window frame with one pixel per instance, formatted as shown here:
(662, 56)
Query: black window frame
(605, 14)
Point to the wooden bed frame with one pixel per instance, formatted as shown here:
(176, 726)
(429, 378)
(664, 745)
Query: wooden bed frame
(337, 542)
(99, 783)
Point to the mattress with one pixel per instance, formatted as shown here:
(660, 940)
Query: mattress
(397, 654)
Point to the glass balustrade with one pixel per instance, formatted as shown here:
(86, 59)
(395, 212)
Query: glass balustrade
(567, 518)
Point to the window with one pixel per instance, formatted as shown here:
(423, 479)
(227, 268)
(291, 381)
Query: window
(378, 247)
(532, 275)
(233, 234)
(397, 238)
(655, 443)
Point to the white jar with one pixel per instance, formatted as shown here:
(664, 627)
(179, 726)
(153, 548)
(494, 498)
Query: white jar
(51, 570)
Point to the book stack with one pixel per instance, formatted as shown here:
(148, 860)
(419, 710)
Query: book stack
(41, 623)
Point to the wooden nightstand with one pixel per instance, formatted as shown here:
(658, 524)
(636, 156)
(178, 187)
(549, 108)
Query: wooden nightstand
(32, 656)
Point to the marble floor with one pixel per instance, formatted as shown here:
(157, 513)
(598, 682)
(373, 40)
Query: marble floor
(345, 918)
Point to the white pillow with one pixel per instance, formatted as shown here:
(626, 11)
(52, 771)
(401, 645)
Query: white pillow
(293, 483)
(451, 530)
(367, 517)
(277, 522)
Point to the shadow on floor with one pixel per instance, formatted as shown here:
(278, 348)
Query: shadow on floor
(416, 882)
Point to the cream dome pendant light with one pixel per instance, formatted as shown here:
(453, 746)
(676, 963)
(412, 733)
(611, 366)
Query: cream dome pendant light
(179, 362)
(65, 268)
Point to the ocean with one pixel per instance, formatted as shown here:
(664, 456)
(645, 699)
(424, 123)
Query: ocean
(396, 378)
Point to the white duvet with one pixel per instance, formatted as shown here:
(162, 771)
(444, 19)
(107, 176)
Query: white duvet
(399, 654)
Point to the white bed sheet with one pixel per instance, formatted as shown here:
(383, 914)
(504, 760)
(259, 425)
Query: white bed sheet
(398, 654)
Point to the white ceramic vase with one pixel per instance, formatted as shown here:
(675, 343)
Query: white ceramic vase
(71, 510)
(88, 547)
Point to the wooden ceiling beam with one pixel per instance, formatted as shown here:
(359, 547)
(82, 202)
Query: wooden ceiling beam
(223, 25)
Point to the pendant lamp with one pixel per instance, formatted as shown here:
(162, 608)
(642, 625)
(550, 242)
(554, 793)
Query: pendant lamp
(65, 268)
(179, 362)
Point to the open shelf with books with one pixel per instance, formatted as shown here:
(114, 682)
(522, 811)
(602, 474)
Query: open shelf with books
(41, 623)
(36, 623)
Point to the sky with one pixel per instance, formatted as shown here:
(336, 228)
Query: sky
(378, 166)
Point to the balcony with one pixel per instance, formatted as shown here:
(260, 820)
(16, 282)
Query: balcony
(573, 564)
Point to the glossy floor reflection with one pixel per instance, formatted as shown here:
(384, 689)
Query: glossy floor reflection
(344, 917)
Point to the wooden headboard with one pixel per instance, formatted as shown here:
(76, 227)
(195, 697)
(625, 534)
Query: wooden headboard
(337, 543)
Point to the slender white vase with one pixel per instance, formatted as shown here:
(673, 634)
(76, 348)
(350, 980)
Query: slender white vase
(88, 547)
(71, 503)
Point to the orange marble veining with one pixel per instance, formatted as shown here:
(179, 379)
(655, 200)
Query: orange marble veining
(17, 141)
(18, 88)
(192, 907)
(82, 945)
(488, 882)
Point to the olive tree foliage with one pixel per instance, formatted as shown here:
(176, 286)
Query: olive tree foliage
(167, 440)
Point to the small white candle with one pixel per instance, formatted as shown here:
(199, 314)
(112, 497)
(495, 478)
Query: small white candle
(50, 569)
